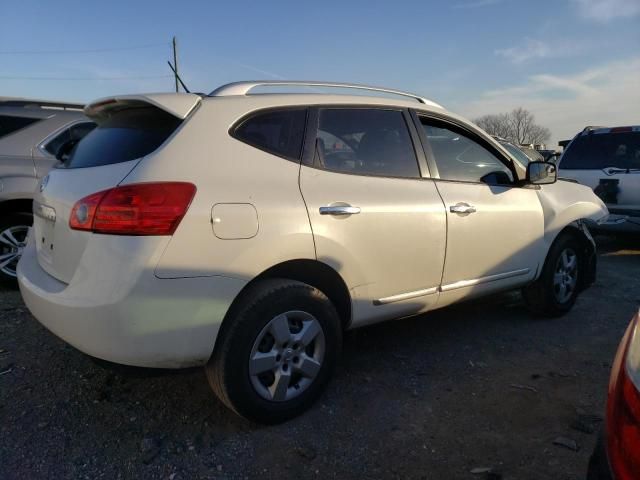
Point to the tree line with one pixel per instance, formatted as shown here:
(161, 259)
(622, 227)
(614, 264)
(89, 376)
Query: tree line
(517, 126)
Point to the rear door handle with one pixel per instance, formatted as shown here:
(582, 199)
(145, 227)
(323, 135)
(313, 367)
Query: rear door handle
(339, 210)
(462, 208)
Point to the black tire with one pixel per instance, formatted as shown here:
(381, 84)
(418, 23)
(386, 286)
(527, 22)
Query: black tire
(228, 369)
(12, 220)
(541, 297)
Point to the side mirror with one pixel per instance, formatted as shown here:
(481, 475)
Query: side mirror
(541, 173)
(65, 150)
(497, 178)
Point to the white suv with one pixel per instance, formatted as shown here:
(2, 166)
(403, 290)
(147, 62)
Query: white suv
(608, 161)
(246, 232)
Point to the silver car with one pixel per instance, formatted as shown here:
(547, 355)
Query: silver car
(32, 133)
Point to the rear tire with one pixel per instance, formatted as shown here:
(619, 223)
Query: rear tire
(556, 290)
(14, 229)
(276, 352)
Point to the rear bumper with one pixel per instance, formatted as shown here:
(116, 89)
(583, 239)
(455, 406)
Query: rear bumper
(136, 319)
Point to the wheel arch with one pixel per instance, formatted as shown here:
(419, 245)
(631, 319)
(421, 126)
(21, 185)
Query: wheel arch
(577, 230)
(312, 272)
(19, 205)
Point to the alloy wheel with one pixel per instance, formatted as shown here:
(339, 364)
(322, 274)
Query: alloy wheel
(12, 243)
(287, 356)
(565, 277)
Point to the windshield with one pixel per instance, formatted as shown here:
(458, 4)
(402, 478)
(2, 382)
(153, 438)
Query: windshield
(516, 152)
(602, 150)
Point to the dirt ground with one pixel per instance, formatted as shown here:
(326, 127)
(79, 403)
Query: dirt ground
(483, 385)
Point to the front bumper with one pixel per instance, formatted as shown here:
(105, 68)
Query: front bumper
(140, 320)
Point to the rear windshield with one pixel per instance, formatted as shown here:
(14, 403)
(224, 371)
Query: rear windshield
(10, 124)
(603, 150)
(126, 135)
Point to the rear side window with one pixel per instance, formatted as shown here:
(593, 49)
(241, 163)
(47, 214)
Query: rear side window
(125, 135)
(280, 132)
(75, 132)
(365, 141)
(603, 150)
(10, 124)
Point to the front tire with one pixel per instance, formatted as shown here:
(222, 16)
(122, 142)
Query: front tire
(556, 291)
(276, 352)
(14, 229)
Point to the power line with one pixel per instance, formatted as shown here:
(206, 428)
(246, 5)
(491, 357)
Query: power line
(93, 50)
(3, 77)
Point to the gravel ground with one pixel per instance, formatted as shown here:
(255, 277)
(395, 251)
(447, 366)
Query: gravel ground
(478, 386)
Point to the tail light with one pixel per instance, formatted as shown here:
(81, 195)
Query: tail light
(136, 209)
(623, 409)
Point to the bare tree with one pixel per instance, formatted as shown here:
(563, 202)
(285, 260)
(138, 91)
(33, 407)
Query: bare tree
(495, 124)
(517, 126)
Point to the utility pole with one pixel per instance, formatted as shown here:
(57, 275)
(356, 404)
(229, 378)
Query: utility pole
(175, 62)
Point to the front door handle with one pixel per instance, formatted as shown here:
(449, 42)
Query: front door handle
(462, 208)
(339, 210)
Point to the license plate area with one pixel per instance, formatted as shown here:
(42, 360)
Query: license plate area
(45, 231)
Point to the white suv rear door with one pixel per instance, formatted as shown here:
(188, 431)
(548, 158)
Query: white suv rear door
(375, 219)
(495, 229)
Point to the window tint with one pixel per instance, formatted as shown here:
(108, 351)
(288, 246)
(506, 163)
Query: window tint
(460, 158)
(10, 124)
(278, 132)
(74, 132)
(126, 135)
(602, 150)
(365, 142)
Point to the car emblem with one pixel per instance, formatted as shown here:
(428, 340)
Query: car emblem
(44, 182)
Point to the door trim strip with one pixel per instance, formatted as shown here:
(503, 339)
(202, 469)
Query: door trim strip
(490, 278)
(405, 296)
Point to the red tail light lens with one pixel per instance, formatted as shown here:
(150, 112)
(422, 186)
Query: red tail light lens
(623, 415)
(137, 209)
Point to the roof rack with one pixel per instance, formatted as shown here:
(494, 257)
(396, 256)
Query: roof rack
(244, 88)
(32, 103)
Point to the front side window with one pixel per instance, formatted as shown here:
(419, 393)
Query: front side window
(365, 142)
(75, 132)
(10, 124)
(280, 132)
(460, 158)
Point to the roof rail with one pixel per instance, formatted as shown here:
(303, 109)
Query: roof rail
(243, 88)
(32, 103)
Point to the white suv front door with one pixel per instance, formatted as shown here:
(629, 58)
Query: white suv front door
(495, 229)
(375, 220)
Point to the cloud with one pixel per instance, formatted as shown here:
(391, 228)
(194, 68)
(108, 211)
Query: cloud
(605, 95)
(536, 49)
(477, 3)
(606, 10)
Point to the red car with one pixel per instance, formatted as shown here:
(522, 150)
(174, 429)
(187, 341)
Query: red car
(617, 454)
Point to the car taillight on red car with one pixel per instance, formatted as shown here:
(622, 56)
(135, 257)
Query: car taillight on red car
(136, 209)
(623, 408)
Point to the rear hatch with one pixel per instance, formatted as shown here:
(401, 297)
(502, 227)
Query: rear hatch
(608, 161)
(129, 129)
